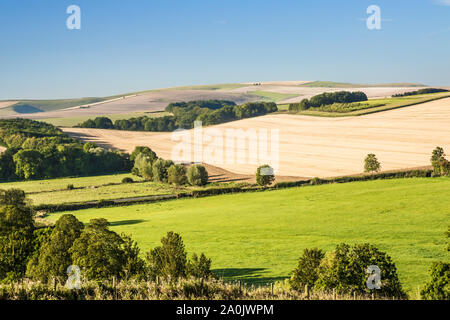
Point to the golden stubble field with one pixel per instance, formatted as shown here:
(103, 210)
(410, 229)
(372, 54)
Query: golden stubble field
(319, 146)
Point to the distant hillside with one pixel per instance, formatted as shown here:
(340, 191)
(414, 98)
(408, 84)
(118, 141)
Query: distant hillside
(332, 84)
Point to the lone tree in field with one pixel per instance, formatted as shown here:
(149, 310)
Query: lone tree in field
(264, 175)
(371, 164)
(441, 166)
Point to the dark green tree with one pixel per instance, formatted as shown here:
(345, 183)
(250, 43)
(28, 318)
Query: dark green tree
(371, 164)
(199, 267)
(54, 257)
(98, 251)
(168, 260)
(16, 234)
(307, 271)
(345, 269)
(133, 265)
(438, 288)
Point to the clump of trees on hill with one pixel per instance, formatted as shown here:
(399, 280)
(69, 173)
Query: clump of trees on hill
(420, 91)
(185, 114)
(328, 98)
(37, 150)
(148, 166)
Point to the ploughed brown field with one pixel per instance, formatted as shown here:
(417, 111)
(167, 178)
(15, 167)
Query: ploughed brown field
(319, 146)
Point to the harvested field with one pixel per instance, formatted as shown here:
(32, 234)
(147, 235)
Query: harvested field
(323, 147)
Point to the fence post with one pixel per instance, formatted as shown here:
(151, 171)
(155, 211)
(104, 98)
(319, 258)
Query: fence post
(306, 291)
(271, 285)
(114, 282)
(354, 295)
(334, 294)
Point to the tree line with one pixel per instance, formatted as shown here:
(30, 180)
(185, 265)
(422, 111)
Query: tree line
(185, 114)
(148, 166)
(37, 150)
(420, 91)
(328, 98)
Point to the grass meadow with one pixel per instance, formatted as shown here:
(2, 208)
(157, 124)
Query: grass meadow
(258, 237)
(378, 105)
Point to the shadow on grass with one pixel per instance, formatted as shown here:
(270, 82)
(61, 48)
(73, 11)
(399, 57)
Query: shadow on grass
(125, 222)
(252, 276)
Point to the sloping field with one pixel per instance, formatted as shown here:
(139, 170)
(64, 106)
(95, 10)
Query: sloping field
(157, 100)
(261, 235)
(316, 146)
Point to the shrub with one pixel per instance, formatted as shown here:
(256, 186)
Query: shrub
(307, 271)
(159, 170)
(168, 260)
(199, 267)
(177, 174)
(264, 175)
(127, 180)
(197, 175)
(438, 288)
(70, 187)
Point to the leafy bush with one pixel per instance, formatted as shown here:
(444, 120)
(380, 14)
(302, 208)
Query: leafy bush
(177, 174)
(160, 170)
(127, 180)
(307, 271)
(438, 288)
(197, 175)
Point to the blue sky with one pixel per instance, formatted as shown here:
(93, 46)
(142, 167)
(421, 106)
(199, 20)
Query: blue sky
(131, 45)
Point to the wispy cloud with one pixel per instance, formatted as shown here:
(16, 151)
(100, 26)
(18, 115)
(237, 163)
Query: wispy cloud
(442, 2)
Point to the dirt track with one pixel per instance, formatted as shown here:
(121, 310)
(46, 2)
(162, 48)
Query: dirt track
(323, 147)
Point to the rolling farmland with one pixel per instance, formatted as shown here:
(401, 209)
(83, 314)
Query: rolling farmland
(260, 237)
(319, 146)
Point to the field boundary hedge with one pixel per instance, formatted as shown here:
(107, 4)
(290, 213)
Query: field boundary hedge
(51, 208)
